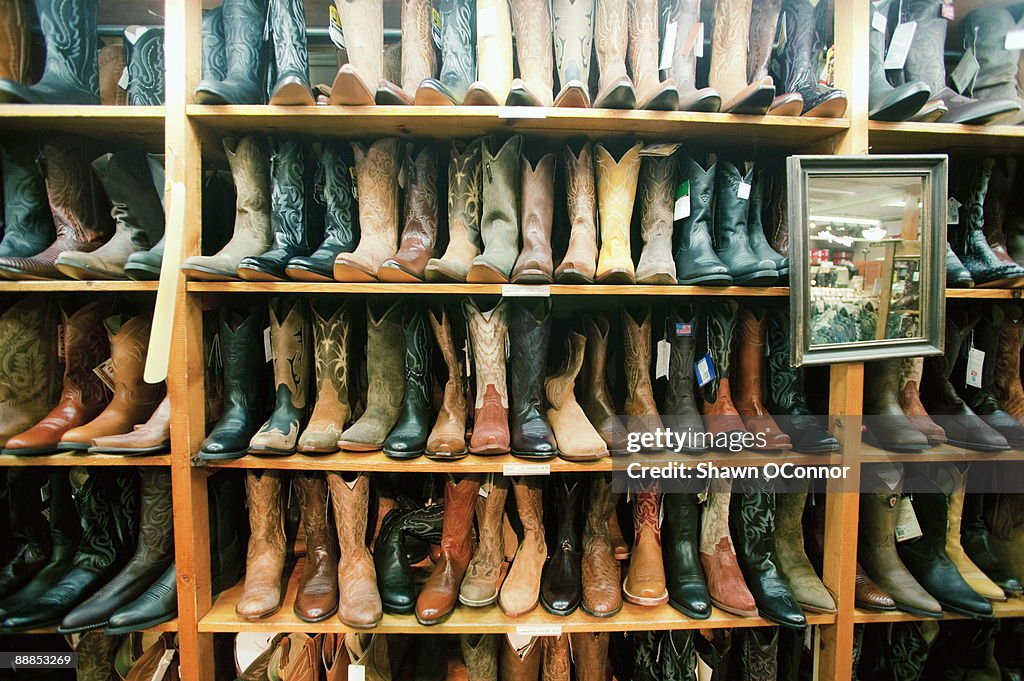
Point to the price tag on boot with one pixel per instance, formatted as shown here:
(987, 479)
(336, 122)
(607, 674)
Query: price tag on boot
(965, 72)
(661, 363)
(878, 21)
(682, 207)
(952, 211)
(743, 191)
(334, 30)
(975, 363)
(899, 46)
(435, 29)
(668, 46)
(268, 347)
(705, 370)
(356, 672)
(105, 372)
(907, 527)
(487, 22)
(1014, 40)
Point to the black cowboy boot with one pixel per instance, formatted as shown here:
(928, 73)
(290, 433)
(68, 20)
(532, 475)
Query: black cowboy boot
(242, 349)
(974, 535)
(229, 530)
(678, 656)
(529, 330)
(71, 74)
(888, 425)
(408, 439)
(755, 228)
(755, 653)
(787, 399)
(972, 247)
(215, 65)
(391, 556)
(680, 532)
(799, 59)
(28, 223)
(983, 400)
(696, 261)
(458, 56)
(679, 406)
(243, 46)
(31, 540)
(292, 220)
(144, 48)
(885, 102)
(732, 243)
(288, 22)
(898, 651)
(957, 276)
(561, 586)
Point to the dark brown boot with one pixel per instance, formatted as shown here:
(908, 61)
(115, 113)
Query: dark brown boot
(317, 597)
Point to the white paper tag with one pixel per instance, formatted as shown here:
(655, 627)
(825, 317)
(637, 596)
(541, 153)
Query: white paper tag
(334, 29)
(510, 470)
(1014, 40)
(917, 276)
(661, 363)
(539, 629)
(268, 347)
(668, 47)
(965, 72)
(487, 21)
(952, 211)
(122, 82)
(682, 208)
(660, 149)
(975, 363)
(907, 527)
(878, 21)
(356, 672)
(105, 372)
(705, 370)
(899, 46)
(743, 191)
(163, 664)
(522, 112)
(698, 41)
(526, 290)
(469, 362)
(44, 492)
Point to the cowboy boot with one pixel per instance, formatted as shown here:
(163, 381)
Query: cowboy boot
(249, 159)
(888, 425)
(243, 46)
(611, 39)
(799, 59)
(447, 439)
(560, 587)
(616, 192)
(28, 224)
(288, 22)
(439, 596)
(520, 658)
(153, 554)
(888, 103)
(995, 210)
(910, 371)
(386, 384)
(30, 540)
(392, 561)
(111, 67)
(869, 596)
(317, 595)
(657, 196)
(529, 331)
(291, 219)
(731, 235)
(417, 54)
(790, 554)
(645, 581)
(536, 210)
(898, 652)
(580, 260)
(333, 189)
(680, 526)
(1007, 375)
(764, 19)
(71, 71)
(756, 231)
(487, 332)
(602, 596)
(975, 253)
(726, 587)
(596, 398)
(265, 559)
(556, 662)
(463, 215)
(499, 220)
(419, 237)
(359, 604)
(480, 585)
(77, 203)
(577, 439)
(458, 58)
(377, 170)
(214, 58)
(640, 408)
(134, 400)
(985, 30)
(363, 25)
(408, 438)
(957, 276)
(243, 365)
(574, 44)
(138, 218)
(752, 520)
(695, 257)
(651, 92)
(787, 399)
(480, 652)
(720, 413)
(953, 484)
(144, 46)
(683, 70)
(1003, 516)
(876, 547)
(145, 265)
(493, 55)
(521, 588)
(680, 408)
(290, 343)
(331, 327)
(975, 537)
(750, 366)
(531, 20)
(151, 437)
(83, 395)
(16, 44)
(729, 48)
(983, 400)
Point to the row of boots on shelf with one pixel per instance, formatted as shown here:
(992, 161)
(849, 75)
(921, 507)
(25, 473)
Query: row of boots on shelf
(300, 216)
(136, 656)
(757, 654)
(524, 403)
(915, 403)
(681, 554)
(67, 217)
(646, 55)
(77, 69)
(102, 405)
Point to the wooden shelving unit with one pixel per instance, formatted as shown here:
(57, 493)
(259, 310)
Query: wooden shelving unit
(919, 138)
(73, 459)
(525, 290)
(71, 286)
(1014, 607)
(938, 454)
(133, 125)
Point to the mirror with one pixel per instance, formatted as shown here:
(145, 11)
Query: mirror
(867, 257)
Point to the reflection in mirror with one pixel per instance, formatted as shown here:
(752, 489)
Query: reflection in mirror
(865, 247)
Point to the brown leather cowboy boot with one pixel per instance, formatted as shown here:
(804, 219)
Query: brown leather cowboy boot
(521, 590)
(720, 413)
(726, 586)
(911, 369)
(537, 201)
(419, 237)
(645, 582)
(596, 397)
(317, 597)
(641, 410)
(359, 604)
(580, 260)
(447, 438)
(264, 562)
(750, 367)
(480, 585)
(487, 331)
(602, 596)
(377, 172)
(440, 594)
(1007, 375)
(418, 59)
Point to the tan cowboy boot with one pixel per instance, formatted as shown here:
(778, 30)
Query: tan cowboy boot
(577, 439)
(264, 562)
(447, 438)
(493, 54)
(616, 192)
(359, 604)
(488, 332)
(521, 589)
(531, 20)
(580, 260)
(574, 44)
(536, 213)
(728, 74)
(332, 409)
(602, 596)
(377, 178)
(645, 582)
(363, 24)
(954, 484)
(684, 61)
(651, 92)
(480, 585)
(640, 407)
(418, 59)
(463, 215)
(657, 198)
(611, 37)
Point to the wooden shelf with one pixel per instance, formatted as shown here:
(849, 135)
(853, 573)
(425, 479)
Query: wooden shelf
(751, 132)
(378, 462)
(1006, 609)
(74, 286)
(490, 620)
(937, 454)
(1002, 140)
(483, 289)
(134, 124)
(985, 293)
(72, 459)
(171, 626)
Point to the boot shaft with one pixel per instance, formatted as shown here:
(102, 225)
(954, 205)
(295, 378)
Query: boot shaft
(752, 520)
(288, 24)
(65, 531)
(331, 329)
(637, 354)
(72, 44)
(600, 508)
(537, 202)
(685, 13)
(458, 36)
(290, 185)
(249, 159)
(129, 342)
(616, 191)
(501, 181)
(311, 489)
(574, 39)
(464, 189)
(385, 344)
(145, 57)
(421, 206)
(127, 180)
(646, 514)
(290, 341)
(684, 324)
(611, 37)
(763, 21)
(581, 193)
(26, 213)
(568, 499)
(750, 356)
(107, 509)
(76, 200)
(731, 211)
(240, 346)
(488, 331)
(86, 346)
(350, 500)
(264, 493)
(530, 506)
(801, 54)
(531, 21)
(786, 382)
(333, 189)
(644, 44)
(17, 44)
(377, 169)
(28, 374)
(459, 509)
(696, 228)
(721, 321)
(417, 362)
(243, 37)
(657, 194)
(156, 532)
(214, 59)
(985, 30)
(529, 332)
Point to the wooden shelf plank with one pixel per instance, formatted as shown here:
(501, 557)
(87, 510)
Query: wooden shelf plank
(72, 459)
(171, 626)
(1006, 609)
(1002, 140)
(752, 132)
(134, 124)
(937, 454)
(481, 289)
(490, 620)
(73, 286)
(984, 293)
